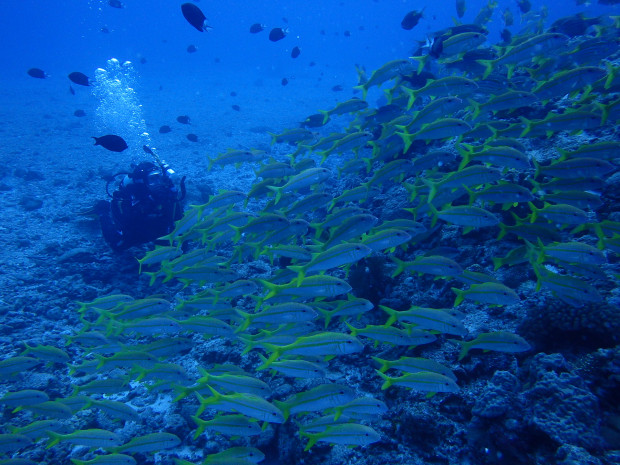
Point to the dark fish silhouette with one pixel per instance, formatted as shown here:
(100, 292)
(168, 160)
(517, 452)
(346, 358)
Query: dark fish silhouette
(295, 52)
(192, 137)
(165, 129)
(347, 33)
(236, 107)
(256, 28)
(191, 49)
(79, 113)
(284, 81)
(147, 149)
(277, 33)
(337, 88)
(79, 78)
(37, 73)
(411, 19)
(183, 119)
(105, 30)
(314, 121)
(524, 5)
(460, 8)
(195, 17)
(506, 36)
(115, 4)
(111, 142)
(436, 47)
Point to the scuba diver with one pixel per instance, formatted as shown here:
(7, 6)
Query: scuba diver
(143, 208)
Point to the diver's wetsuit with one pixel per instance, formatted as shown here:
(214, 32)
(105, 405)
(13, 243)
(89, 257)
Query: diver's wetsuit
(145, 207)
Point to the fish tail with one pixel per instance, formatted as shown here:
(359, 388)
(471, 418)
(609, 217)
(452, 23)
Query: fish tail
(412, 96)
(464, 348)
(422, 60)
(435, 214)
(539, 277)
(201, 426)
(273, 289)
(277, 352)
(246, 322)
(54, 439)
(387, 380)
(363, 88)
(488, 67)
(466, 153)
(432, 189)
(312, 439)
(390, 311)
(301, 272)
(384, 364)
(460, 296)
(528, 127)
(534, 212)
(476, 107)
(325, 114)
(498, 262)
(611, 74)
(278, 192)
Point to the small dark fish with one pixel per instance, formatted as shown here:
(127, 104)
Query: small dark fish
(142, 60)
(183, 119)
(111, 142)
(506, 36)
(233, 94)
(79, 113)
(165, 129)
(277, 33)
(524, 5)
(192, 49)
(411, 19)
(460, 8)
(608, 2)
(195, 17)
(115, 4)
(284, 81)
(105, 30)
(347, 33)
(436, 47)
(257, 27)
(284, 19)
(312, 63)
(236, 107)
(192, 137)
(295, 52)
(323, 32)
(79, 78)
(217, 60)
(147, 149)
(314, 121)
(418, 80)
(36, 73)
(337, 88)
(71, 89)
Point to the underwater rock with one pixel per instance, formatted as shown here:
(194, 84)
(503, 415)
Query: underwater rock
(570, 455)
(498, 397)
(561, 406)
